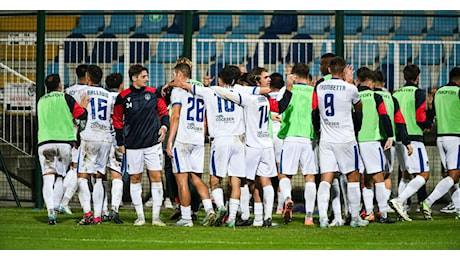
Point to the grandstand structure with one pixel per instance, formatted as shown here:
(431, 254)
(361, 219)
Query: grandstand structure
(114, 40)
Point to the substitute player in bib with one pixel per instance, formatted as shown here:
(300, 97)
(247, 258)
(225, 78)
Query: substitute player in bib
(70, 181)
(399, 129)
(447, 108)
(56, 136)
(371, 118)
(185, 146)
(299, 124)
(141, 119)
(338, 150)
(96, 141)
(412, 101)
(117, 161)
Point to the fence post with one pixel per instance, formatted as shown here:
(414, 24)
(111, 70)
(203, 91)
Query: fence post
(339, 32)
(40, 85)
(188, 32)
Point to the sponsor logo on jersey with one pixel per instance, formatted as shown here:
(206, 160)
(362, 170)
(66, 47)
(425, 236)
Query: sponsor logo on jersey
(192, 126)
(332, 124)
(263, 134)
(221, 118)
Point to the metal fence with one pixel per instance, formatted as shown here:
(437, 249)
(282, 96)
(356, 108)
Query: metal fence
(214, 44)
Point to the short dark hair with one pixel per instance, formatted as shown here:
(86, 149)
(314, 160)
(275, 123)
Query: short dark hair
(228, 75)
(301, 69)
(277, 80)
(135, 70)
(184, 68)
(81, 71)
(361, 71)
(52, 82)
(236, 72)
(411, 72)
(379, 77)
(94, 73)
(454, 74)
(364, 74)
(324, 62)
(337, 65)
(114, 80)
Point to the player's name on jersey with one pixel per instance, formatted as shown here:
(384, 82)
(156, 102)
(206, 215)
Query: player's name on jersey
(97, 93)
(332, 87)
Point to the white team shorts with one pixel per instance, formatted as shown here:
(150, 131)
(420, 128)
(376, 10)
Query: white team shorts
(54, 158)
(151, 156)
(75, 153)
(361, 167)
(260, 162)
(187, 158)
(449, 151)
(93, 156)
(117, 160)
(298, 150)
(390, 158)
(227, 155)
(418, 161)
(372, 156)
(277, 146)
(338, 157)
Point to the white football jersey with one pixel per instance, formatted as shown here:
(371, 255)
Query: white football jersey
(99, 123)
(335, 102)
(224, 117)
(256, 113)
(76, 91)
(191, 120)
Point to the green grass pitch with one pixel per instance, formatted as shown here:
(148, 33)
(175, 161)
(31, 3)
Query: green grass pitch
(27, 229)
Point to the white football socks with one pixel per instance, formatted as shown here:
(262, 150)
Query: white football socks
(441, 188)
(117, 194)
(48, 194)
(84, 195)
(136, 197)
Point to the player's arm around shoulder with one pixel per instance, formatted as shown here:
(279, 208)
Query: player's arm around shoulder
(228, 95)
